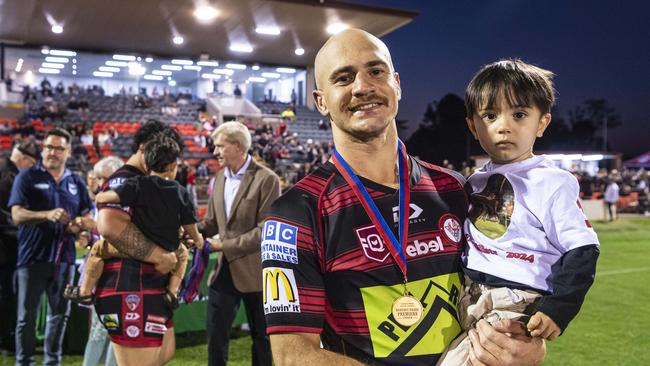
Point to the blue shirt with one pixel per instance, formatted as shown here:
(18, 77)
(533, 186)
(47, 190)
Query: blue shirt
(36, 190)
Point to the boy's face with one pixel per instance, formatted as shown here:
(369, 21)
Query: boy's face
(507, 133)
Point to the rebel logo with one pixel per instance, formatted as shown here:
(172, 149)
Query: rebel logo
(450, 227)
(373, 246)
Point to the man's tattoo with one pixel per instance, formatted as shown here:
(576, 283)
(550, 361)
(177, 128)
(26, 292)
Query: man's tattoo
(132, 242)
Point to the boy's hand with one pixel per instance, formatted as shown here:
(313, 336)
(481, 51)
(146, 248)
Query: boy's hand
(541, 325)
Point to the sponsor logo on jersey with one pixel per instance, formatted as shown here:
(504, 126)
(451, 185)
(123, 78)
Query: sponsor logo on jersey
(72, 188)
(116, 182)
(110, 321)
(131, 316)
(132, 331)
(435, 331)
(372, 244)
(415, 210)
(279, 242)
(156, 319)
(155, 328)
(450, 227)
(42, 186)
(132, 301)
(280, 291)
(421, 247)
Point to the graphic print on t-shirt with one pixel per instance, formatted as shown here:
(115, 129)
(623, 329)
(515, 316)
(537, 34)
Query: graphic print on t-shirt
(491, 209)
(431, 335)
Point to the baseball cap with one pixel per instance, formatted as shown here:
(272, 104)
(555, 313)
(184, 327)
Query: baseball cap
(29, 148)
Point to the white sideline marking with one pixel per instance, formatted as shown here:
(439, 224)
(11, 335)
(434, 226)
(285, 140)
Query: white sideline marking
(621, 271)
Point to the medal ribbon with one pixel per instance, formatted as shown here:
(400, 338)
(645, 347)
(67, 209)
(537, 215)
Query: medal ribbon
(396, 247)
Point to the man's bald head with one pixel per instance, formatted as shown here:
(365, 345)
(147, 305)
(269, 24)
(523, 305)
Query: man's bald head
(347, 41)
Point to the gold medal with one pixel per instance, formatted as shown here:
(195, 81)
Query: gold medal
(407, 310)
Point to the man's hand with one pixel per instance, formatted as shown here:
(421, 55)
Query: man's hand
(504, 343)
(58, 215)
(215, 244)
(541, 325)
(166, 262)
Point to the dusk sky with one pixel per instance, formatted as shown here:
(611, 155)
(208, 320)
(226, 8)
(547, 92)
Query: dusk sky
(597, 49)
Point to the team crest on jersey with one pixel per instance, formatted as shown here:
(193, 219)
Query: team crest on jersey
(132, 301)
(450, 227)
(132, 331)
(372, 244)
(72, 188)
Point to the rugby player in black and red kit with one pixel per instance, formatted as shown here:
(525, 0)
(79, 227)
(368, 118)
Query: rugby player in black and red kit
(130, 292)
(363, 255)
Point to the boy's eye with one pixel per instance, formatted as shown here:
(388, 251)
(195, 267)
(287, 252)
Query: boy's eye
(489, 117)
(520, 115)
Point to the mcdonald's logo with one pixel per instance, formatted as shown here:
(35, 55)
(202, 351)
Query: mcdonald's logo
(280, 291)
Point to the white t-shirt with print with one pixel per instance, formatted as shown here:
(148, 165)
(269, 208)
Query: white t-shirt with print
(525, 230)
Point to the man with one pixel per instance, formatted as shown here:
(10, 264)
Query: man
(363, 255)
(242, 195)
(23, 156)
(44, 199)
(130, 292)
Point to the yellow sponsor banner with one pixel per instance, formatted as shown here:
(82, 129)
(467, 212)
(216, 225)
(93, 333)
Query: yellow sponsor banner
(431, 335)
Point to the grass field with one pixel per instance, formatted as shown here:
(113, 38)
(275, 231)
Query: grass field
(611, 329)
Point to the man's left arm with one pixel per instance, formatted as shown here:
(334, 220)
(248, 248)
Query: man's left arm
(249, 242)
(505, 344)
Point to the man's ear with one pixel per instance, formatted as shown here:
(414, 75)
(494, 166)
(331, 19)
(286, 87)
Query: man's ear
(543, 123)
(472, 128)
(319, 101)
(141, 148)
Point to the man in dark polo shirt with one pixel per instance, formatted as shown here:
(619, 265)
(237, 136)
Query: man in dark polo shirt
(23, 156)
(43, 201)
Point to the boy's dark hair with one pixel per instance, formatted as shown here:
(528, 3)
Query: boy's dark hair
(149, 130)
(60, 133)
(522, 84)
(160, 152)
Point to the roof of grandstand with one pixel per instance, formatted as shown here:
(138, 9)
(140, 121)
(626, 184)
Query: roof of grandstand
(272, 29)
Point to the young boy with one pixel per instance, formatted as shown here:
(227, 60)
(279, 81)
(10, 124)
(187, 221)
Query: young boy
(531, 252)
(160, 206)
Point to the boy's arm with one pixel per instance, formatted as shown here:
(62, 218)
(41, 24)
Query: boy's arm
(573, 275)
(193, 231)
(107, 197)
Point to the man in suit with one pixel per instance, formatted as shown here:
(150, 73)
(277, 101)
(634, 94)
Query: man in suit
(241, 197)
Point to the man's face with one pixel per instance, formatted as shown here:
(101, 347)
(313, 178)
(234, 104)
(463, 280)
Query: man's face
(56, 151)
(507, 133)
(227, 153)
(92, 182)
(358, 87)
(103, 177)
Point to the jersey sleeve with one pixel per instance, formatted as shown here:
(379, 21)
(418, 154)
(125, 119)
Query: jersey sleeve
(115, 181)
(292, 277)
(566, 225)
(19, 191)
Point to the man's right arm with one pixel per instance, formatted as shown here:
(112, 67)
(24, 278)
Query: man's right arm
(304, 349)
(21, 215)
(116, 227)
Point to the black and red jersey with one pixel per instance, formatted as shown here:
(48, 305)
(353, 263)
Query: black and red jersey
(327, 270)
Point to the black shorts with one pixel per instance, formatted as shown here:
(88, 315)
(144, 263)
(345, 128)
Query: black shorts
(130, 305)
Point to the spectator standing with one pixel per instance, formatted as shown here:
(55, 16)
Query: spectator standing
(23, 156)
(611, 198)
(43, 200)
(242, 195)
